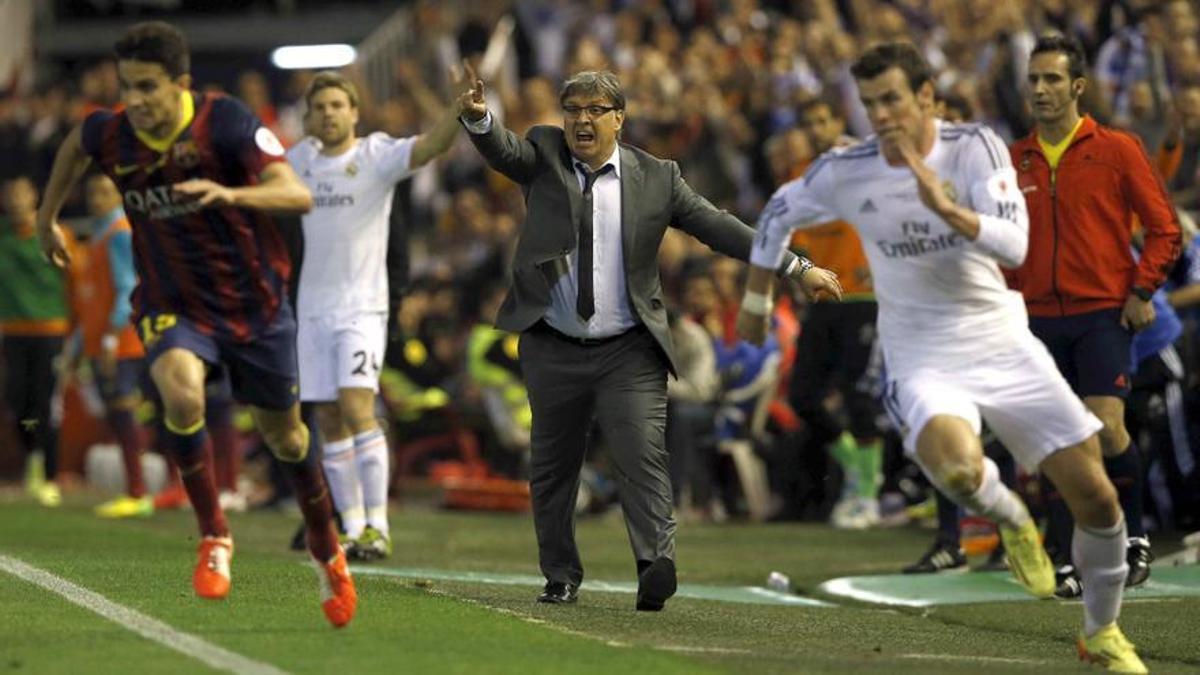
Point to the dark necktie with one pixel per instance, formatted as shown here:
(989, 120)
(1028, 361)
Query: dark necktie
(585, 300)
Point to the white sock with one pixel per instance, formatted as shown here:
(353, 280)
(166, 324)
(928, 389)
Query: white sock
(342, 476)
(993, 499)
(1099, 555)
(371, 453)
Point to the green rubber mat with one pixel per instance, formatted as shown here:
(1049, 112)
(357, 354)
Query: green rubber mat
(754, 595)
(923, 590)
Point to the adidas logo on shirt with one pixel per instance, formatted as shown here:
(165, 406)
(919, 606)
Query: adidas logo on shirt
(868, 206)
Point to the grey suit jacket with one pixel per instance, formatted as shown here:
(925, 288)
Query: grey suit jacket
(653, 196)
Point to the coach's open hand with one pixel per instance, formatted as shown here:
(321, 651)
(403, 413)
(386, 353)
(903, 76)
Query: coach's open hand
(818, 283)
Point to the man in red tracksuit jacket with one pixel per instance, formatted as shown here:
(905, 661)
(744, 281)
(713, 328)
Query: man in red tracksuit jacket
(1085, 292)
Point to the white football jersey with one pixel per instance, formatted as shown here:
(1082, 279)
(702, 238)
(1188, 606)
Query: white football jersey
(346, 233)
(942, 298)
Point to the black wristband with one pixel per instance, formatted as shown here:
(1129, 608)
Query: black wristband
(1141, 293)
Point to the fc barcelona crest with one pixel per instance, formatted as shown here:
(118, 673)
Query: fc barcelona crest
(187, 155)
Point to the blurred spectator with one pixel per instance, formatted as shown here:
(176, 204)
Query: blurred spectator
(692, 395)
(255, 92)
(33, 322)
(1135, 54)
(1158, 420)
(493, 367)
(834, 348)
(102, 279)
(1179, 153)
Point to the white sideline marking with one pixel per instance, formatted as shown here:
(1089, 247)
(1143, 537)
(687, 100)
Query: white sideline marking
(781, 598)
(742, 594)
(526, 618)
(580, 634)
(971, 659)
(149, 628)
(845, 587)
(684, 649)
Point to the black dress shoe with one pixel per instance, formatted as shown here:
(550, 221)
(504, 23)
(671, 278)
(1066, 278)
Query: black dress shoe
(1139, 557)
(656, 584)
(558, 593)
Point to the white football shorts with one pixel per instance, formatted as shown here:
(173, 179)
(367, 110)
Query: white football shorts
(340, 353)
(1021, 395)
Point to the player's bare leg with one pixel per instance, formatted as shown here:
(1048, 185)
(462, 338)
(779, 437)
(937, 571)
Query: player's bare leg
(288, 438)
(952, 456)
(357, 411)
(1097, 550)
(179, 376)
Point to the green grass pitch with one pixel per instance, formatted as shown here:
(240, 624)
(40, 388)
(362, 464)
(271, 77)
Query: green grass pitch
(451, 622)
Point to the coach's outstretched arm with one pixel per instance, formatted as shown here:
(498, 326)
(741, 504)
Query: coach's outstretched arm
(279, 190)
(70, 164)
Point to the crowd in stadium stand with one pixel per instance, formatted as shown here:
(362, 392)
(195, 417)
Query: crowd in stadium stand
(719, 87)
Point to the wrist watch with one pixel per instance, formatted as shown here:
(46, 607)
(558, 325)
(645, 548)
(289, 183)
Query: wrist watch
(805, 266)
(1141, 293)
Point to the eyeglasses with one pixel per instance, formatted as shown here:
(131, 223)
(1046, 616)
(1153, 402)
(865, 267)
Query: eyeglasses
(593, 111)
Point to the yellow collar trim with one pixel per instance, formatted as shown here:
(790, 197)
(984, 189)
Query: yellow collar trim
(187, 110)
(1061, 146)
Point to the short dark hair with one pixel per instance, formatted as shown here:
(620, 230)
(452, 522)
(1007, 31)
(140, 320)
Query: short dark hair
(819, 102)
(155, 42)
(903, 55)
(957, 102)
(601, 82)
(1068, 46)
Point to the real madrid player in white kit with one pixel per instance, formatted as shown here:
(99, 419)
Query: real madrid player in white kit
(342, 302)
(937, 208)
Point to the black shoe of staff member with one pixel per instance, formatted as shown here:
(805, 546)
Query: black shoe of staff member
(656, 583)
(558, 593)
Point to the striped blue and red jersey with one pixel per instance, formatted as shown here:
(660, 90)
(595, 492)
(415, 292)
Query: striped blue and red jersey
(224, 269)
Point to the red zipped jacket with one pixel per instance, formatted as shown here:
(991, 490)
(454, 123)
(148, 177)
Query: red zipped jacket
(1081, 224)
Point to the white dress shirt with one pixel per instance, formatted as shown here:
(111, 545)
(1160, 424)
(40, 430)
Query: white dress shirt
(614, 313)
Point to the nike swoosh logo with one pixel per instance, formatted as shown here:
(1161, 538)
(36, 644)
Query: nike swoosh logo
(125, 169)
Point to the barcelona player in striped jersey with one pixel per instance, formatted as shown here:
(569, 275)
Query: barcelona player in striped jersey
(200, 175)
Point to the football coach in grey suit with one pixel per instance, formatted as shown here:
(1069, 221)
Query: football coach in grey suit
(588, 302)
